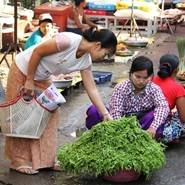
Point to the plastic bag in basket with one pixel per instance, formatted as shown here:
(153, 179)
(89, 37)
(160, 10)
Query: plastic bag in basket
(19, 118)
(51, 98)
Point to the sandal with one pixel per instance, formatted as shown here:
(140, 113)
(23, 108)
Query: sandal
(25, 170)
(56, 167)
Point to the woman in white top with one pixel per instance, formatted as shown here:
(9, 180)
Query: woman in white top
(65, 53)
(77, 22)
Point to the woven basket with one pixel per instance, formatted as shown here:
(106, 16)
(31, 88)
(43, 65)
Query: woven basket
(19, 118)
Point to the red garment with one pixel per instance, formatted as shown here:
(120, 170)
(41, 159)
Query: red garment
(171, 89)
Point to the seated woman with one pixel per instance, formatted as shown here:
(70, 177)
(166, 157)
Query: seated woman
(77, 21)
(43, 33)
(137, 96)
(174, 93)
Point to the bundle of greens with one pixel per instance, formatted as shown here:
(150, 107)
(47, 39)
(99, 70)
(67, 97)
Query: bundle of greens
(180, 42)
(110, 147)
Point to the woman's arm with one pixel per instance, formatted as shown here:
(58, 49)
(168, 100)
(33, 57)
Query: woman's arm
(48, 47)
(90, 23)
(93, 93)
(75, 17)
(180, 105)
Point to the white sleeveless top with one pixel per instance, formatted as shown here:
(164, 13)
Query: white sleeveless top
(71, 23)
(61, 62)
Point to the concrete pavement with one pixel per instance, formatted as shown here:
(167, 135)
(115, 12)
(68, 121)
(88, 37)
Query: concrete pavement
(73, 116)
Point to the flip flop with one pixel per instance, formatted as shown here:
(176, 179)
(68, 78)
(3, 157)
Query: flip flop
(56, 167)
(25, 170)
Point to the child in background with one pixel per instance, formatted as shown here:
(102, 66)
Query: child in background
(44, 32)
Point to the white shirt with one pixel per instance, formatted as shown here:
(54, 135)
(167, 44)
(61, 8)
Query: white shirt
(61, 62)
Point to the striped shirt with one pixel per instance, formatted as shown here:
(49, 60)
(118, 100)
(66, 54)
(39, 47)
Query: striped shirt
(124, 101)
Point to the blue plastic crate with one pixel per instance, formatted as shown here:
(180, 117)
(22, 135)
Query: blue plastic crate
(101, 77)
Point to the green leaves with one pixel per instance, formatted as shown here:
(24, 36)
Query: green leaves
(181, 46)
(112, 146)
(180, 42)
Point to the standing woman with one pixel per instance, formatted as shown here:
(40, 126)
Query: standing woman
(174, 93)
(77, 21)
(65, 53)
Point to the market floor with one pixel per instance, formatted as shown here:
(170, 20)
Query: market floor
(73, 116)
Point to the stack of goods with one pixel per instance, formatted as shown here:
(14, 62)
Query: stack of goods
(111, 147)
(101, 7)
(142, 9)
(145, 6)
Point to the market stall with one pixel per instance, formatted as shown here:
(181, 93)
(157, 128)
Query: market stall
(59, 12)
(116, 13)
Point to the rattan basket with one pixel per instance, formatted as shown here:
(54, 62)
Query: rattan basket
(22, 119)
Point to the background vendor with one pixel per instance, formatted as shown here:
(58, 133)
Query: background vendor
(44, 32)
(77, 21)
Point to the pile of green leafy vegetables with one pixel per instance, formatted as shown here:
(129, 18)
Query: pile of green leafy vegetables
(112, 146)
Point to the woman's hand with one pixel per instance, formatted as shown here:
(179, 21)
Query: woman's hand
(151, 131)
(107, 117)
(29, 88)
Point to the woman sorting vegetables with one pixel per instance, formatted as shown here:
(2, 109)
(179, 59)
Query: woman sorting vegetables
(65, 53)
(140, 97)
(175, 95)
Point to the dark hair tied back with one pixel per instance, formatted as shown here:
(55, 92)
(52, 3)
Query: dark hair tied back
(165, 70)
(105, 36)
(77, 2)
(167, 64)
(89, 34)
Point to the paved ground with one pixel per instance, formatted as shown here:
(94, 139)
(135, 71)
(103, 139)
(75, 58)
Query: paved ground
(73, 116)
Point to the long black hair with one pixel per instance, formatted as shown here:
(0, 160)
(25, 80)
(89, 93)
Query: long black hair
(167, 64)
(105, 36)
(142, 63)
(77, 2)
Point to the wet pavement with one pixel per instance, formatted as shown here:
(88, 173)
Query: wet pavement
(73, 116)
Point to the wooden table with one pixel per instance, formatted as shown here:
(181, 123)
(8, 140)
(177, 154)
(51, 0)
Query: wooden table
(150, 28)
(58, 12)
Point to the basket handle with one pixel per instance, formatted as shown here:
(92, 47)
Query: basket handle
(27, 95)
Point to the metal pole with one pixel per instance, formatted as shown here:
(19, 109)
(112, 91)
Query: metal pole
(15, 25)
(131, 18)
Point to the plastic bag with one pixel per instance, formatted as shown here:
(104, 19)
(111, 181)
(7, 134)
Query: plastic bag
(51, 98)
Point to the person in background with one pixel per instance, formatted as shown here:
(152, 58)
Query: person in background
(64, 53)
(77, 21)
(44, 32)
(174, 93)
(137, 96)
